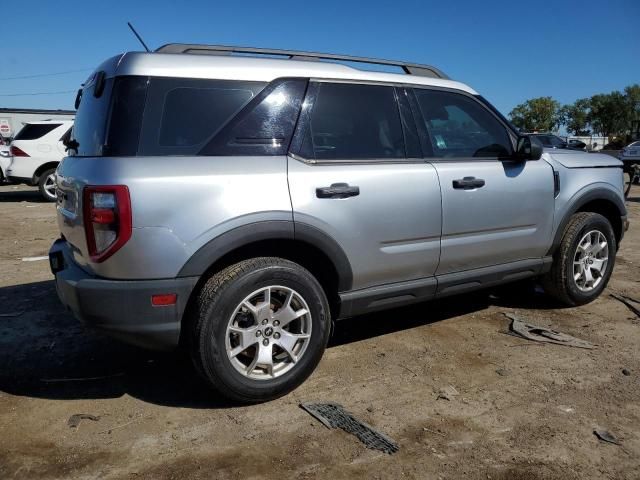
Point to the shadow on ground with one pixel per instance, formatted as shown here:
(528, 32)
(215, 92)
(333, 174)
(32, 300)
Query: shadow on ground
(46, 353)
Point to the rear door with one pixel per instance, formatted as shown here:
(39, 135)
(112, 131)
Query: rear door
(495, 210)
(356, 174)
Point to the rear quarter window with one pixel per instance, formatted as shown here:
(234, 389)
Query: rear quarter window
(182, 115)
(33, 131)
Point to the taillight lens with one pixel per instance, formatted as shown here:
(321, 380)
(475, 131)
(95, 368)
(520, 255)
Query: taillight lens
(107, 219)
(16, 152)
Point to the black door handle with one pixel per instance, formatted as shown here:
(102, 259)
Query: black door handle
(337, 190)
(468, 183)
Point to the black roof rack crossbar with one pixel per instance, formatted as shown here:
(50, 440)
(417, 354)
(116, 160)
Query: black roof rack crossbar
(408, 68)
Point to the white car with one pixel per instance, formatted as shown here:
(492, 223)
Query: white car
(5, 160)
(36, 151)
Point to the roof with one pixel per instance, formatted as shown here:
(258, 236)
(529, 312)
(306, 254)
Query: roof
(228, 67)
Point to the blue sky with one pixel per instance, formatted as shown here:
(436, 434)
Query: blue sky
(507, 50)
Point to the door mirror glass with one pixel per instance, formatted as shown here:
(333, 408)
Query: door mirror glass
(529, 148)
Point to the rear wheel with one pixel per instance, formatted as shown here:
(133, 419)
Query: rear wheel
(260, 328)
(47, 185)
(584, 261)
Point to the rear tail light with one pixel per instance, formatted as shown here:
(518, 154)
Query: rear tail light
(16, 152)
(107, 219)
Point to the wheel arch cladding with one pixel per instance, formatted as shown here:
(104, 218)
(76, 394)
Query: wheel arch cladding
(600, 200)
(306, 245)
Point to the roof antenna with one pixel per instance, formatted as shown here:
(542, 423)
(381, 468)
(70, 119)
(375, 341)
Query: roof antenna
(138, 37)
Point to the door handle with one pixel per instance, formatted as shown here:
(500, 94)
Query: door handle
(337, 190)
(468, 183)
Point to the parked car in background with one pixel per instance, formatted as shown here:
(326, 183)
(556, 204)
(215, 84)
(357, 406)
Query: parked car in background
(577, 144)
(630, 155)
(549, 140)
(36, 151)
(5, 159)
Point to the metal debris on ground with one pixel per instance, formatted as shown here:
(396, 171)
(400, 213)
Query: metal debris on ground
(12, 314)
(606, 436)
(74, 420)
(628, 302)
(541, 334)
(333, 415)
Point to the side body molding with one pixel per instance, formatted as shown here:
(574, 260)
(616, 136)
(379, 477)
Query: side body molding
(578, 202)
(245, 235)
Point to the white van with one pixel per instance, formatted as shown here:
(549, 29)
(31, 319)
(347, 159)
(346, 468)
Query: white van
(36, 151)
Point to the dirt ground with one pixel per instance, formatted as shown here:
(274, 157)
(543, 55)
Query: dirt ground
(523, 410)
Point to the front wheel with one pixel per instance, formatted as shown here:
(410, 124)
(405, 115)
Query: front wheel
(259, 329)
(584, 261)
(47, 185)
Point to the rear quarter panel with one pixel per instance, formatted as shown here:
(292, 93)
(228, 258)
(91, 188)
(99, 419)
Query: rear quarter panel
(178, 203)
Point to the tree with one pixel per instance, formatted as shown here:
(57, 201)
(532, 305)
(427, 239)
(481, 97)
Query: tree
(632, 95)
(576, 117)
(609, 115)
(537, 114)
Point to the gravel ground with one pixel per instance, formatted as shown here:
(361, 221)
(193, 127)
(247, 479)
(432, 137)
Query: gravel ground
(515, 409)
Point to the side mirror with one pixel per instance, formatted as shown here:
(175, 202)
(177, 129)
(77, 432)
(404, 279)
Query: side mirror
(529, 148)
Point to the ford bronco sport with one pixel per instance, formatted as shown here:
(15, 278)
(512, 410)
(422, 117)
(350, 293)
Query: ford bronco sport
(237, 204)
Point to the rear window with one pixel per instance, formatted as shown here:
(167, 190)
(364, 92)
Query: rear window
(91, 119)
(33, 131)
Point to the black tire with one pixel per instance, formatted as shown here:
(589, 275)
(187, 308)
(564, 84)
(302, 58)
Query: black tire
(559, 282)
(215, 306)
(42, 184)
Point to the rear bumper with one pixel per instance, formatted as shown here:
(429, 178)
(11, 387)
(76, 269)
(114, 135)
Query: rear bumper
(121, 308)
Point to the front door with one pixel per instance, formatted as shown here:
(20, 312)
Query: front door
(495, 210)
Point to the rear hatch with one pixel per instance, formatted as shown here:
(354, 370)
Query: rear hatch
(84, 166)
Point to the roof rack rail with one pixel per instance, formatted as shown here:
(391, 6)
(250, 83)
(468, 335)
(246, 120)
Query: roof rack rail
(408, 68)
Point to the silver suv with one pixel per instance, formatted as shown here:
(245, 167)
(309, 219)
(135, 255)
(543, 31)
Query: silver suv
(238, 204)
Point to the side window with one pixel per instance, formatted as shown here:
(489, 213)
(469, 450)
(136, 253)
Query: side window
(182, 115)
(458, 126)
(350, 121)
(265, 126)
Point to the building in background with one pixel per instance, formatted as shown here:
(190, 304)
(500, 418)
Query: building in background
(12, 119)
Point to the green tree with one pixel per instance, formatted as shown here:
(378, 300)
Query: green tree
(632, 95)
(609, 115)
(536, 114)
(576, 117)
